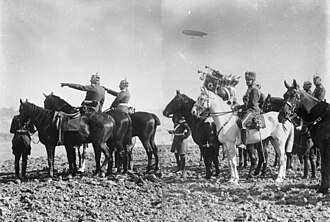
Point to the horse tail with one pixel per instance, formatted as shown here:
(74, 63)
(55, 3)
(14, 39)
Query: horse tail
(290, 140)
(157, 120)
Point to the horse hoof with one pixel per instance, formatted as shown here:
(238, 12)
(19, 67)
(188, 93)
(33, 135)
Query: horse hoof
(279, 180)
(102, 175)
(233, 181)
(81, 170)
(207, 176)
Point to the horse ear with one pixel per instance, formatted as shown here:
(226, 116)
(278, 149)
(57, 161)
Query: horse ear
(52, 93)
(178, 92)
(295, 83)
(20, 101)
(286, 84)
(26, 100)
(45, 95)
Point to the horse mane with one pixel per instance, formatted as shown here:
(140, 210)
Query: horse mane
(59, 104)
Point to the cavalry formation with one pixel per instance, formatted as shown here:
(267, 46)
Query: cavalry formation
(213, 119)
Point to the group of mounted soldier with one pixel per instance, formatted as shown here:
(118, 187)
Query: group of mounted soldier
(223, 85)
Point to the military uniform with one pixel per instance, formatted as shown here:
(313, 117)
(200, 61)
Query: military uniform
(94, 96)
(251, 101)
(179, 146)
(121, 101)
(319, 92)
(95, 93)
(21, 142)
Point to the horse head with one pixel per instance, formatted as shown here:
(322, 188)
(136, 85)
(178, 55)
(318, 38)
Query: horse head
(178, 105)
(202, 103)
(291, 101)
(55, 103)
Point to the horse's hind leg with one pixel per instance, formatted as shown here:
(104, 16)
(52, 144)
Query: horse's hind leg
(251, 151)
(97, 154)
(260, 158)
(216, 159)
(147, 146)
(264, 168)
(104, 148)
(71, 155)
(155, 151)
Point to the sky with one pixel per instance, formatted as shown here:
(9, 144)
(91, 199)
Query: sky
(44, 43)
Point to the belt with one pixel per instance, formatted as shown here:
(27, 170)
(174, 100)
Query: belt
(123, 104)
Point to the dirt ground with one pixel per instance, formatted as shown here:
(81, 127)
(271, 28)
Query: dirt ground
(163, 196)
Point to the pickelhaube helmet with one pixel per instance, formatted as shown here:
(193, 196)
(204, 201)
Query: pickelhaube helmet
(250, 75)
(124, 82)
(95, 77)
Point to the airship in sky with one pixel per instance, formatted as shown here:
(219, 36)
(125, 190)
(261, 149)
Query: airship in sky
(194, 33)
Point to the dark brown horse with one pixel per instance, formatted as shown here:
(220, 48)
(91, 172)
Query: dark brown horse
(317, 116)
(95, 128)
(203, 133)
(144, 125)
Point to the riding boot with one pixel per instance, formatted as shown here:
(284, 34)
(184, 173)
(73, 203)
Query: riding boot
(306, 167)
(183, 165)
(24, 165)
(17, 175)
(243, 138)
(177, 157)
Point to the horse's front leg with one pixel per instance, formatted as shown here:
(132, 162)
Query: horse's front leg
(231, 155)
(282, 160)
(97, 154)
(325, 168)
(50, 154)
(105, 150)
(149, 152)
(82, 157)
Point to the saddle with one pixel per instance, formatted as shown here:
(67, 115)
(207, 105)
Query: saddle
(256, 121)
(66, 122)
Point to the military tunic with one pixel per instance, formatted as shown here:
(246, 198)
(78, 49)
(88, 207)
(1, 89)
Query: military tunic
(95, 93)
(21, 136)
(121, 101)
(251, 104)
(180, 142)
(319, 92)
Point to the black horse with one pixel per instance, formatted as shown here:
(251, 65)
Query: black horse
(300, 147)
(317, 116)
(95, 128)
(144, 126)
(203, 133)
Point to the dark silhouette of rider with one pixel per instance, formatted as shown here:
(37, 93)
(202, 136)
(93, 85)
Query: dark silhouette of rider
(21, 143)
(95, 93)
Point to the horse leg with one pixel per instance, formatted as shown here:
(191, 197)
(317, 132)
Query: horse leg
(207, 162)
(105, 150)
(216, 159)
(264, 168)
(82, 158)
(260, 159)
(231, 155)
(313, 163)
(251, 151)
(306, 166)
(280, 149)
(155, 150)
(325, 168)
(240, 156)
(97, 153)
(50, 154)
(149, 152)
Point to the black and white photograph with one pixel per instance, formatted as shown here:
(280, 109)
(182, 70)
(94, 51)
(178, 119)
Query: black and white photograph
(164, 110)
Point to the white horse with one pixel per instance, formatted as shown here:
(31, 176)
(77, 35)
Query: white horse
(229, 132)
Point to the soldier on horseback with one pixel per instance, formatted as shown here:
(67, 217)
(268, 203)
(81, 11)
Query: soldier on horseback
(250, 108)
(95, 93)
(122, 97)
(319, 91)
(21, 143)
